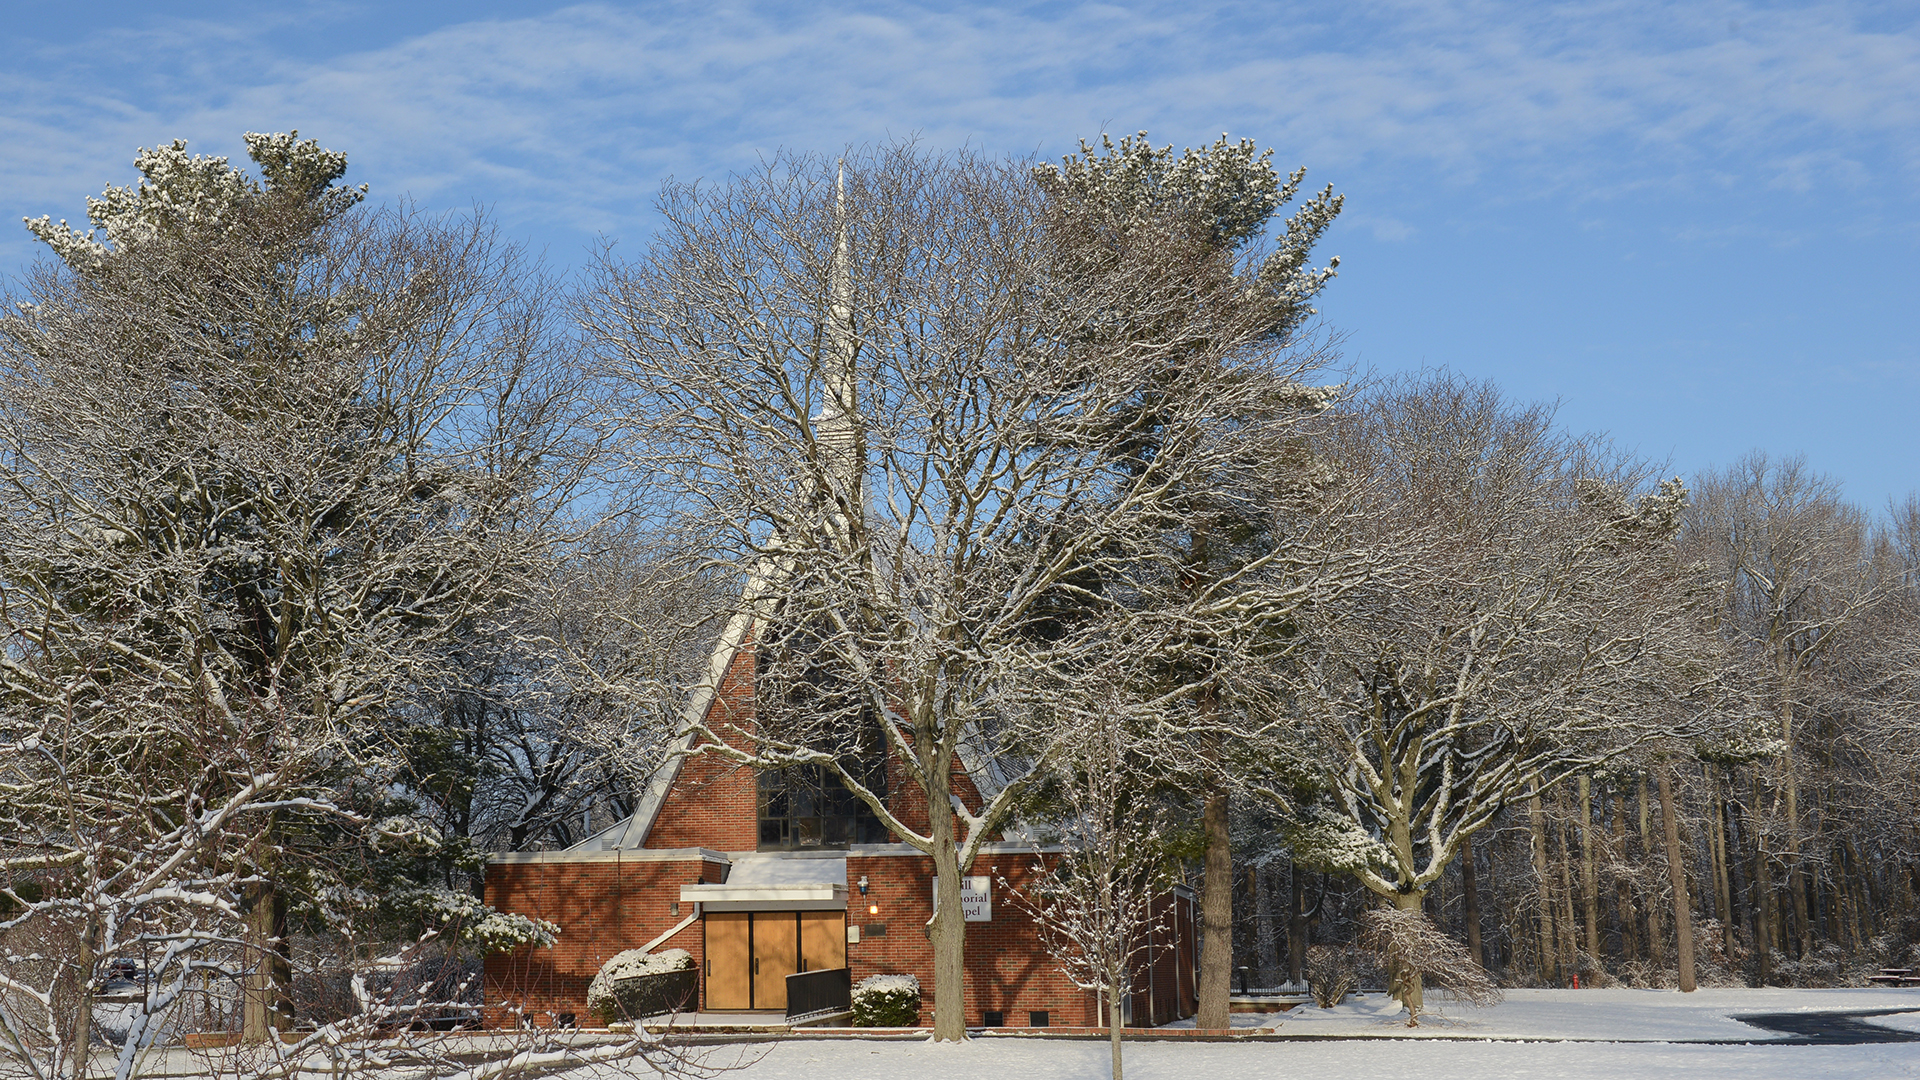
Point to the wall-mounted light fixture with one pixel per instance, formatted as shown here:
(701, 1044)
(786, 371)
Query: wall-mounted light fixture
(863, 884)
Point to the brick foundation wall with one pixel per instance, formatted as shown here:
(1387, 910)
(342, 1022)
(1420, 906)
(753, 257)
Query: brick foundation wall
(604, 903)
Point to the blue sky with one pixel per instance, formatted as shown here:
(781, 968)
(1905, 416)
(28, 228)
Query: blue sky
(1696, 226)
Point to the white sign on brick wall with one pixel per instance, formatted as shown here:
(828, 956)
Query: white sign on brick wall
(976, 898)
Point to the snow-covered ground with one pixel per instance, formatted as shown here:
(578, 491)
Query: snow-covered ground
(1533, 1035)
(1371, 1042)
(1038, 1059)
(1898, 1021)
(1626, 1015)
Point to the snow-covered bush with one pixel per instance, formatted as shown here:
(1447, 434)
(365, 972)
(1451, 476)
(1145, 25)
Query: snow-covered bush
(621, 990)
(1827, 965)
(1714, 963)
(478, 925)
(1897, 948)
(887, 1001)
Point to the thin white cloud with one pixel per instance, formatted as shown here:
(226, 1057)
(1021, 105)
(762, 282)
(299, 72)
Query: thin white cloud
(574, 115)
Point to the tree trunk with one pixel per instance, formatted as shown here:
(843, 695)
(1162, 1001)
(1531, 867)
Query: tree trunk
(1489, 885)
(1624, 915)
(1537, 814)
(1297, 930)
(1589, 878)
(1408, 979)
(1728, 923)
(1844, 914)
(1717, 855)
(1114, 978)
(266, 1006)
(1796, 876)
(949, 928)
(1266, 943)
(1869, 897)
(1656, 933)
(86, 955)
(1761, 886)
(1677, 873)
(1216, 918)
(1569, 934)
(1470, 887)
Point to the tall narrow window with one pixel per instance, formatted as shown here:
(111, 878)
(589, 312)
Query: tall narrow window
(808, 807)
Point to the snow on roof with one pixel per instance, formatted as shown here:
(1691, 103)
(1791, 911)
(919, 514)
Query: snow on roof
(784, 881)
(787, 869)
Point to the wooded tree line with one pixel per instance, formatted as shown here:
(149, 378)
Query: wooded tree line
(343, 545)
(1796, 837)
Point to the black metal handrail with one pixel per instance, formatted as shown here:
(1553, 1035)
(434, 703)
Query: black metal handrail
(814, 994)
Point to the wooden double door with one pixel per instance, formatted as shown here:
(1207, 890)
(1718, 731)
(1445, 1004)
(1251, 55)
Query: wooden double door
(751, 953)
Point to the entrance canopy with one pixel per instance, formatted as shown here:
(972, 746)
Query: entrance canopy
(784, 881)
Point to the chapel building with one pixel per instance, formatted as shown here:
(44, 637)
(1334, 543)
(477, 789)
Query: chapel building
(762, 875)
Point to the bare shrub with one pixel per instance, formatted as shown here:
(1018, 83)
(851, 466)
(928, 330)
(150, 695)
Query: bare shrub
(1416, 950)
(1332, 973)
(1593, 972)
(1647, 975)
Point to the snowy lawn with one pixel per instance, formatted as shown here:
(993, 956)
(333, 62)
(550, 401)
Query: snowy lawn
(1049, 1059)
(1628, 1015)
(1899, 1021)
(1638, 1018)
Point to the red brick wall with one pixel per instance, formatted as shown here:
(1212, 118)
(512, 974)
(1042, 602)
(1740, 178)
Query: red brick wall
(909, 803)
(713, 803)
(603, 905)
(1007, 969)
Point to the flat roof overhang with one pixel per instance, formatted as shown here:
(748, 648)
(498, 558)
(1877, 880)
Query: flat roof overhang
(825, 896)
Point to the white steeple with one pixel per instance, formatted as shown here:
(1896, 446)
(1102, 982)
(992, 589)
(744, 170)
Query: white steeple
(837, 425)
(841, 446)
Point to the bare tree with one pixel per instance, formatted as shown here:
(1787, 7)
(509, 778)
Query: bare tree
(875, 395)
(1541, 608)
(1098, 904)
(1677, 876)
(1890, 679)
(552, 722)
